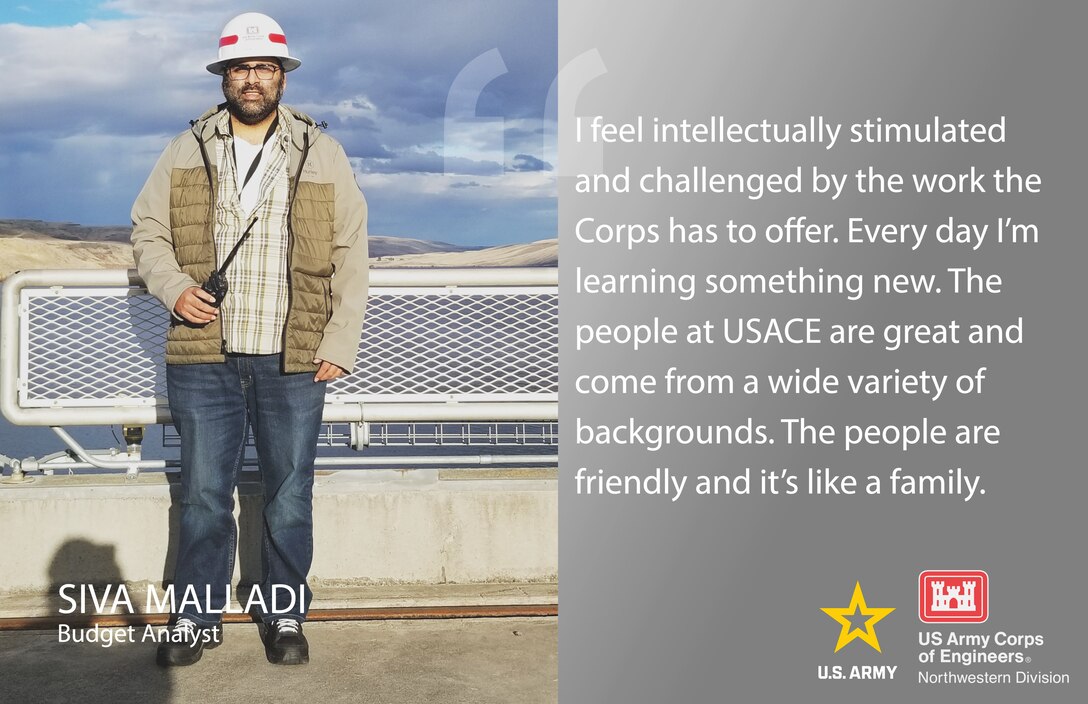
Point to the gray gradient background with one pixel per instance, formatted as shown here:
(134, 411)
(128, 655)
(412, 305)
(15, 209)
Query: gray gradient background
(717, 599)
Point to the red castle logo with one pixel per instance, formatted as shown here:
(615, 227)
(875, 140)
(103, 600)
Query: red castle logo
(953, 596)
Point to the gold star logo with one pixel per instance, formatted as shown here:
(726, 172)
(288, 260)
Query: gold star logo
(857, 620)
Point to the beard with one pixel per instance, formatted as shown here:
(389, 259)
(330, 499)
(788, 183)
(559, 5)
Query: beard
(251, 112)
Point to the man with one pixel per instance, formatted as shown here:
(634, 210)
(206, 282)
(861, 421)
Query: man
(258, 193)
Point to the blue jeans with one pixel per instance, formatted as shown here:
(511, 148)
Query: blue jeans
(212, 405)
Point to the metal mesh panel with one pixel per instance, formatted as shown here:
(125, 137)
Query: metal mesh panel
(453, 345)
(105, 347)
(94, 349)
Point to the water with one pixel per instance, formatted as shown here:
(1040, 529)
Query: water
(19, 442)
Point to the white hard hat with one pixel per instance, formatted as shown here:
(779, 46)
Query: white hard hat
(251, 35)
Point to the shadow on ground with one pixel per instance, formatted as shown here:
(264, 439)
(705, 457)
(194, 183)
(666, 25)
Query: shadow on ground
(457, 661)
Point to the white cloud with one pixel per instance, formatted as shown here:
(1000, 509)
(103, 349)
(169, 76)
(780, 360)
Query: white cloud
(88, 107)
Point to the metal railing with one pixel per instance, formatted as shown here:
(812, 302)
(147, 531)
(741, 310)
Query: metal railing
(477, 347)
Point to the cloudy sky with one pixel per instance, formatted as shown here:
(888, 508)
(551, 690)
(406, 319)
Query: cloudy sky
(441, 105)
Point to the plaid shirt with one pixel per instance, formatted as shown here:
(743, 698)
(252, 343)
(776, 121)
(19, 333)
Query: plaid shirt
(255, 309)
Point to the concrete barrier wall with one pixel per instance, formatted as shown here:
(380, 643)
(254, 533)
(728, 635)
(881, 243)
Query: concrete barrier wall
(416, 526)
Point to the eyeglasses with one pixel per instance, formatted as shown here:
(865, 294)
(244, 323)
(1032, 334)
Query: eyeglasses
(240, 72)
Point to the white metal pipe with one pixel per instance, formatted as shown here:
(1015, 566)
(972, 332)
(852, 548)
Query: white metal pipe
(333, 413)
(433, 460)
(434, 412)
(129, 465)
(500, 276)
(422, 461)
(472, 276)
(72, 277)
(88, 460)
(9, 344)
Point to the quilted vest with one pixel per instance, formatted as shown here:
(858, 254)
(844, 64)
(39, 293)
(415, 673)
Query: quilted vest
(310, 234)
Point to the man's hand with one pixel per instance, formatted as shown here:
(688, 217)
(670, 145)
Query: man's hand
(195, 305)
(328, 371)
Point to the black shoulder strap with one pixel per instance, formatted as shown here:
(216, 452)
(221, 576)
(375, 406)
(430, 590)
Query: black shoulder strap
(257, 159)
(230, 257)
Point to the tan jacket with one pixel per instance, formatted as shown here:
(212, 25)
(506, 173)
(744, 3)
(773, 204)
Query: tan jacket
(172, 222)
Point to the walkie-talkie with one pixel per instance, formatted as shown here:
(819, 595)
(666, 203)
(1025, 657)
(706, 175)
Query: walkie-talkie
(217, 280)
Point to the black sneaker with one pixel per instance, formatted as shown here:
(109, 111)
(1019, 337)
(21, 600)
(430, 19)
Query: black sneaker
(185, 642)
(284, 643)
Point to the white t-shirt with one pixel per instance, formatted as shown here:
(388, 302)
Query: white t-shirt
(244, 154)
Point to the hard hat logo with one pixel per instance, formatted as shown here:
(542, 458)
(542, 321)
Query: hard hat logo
(251, 35)
(233, 39)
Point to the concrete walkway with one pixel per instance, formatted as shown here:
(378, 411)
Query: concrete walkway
(474, 661)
